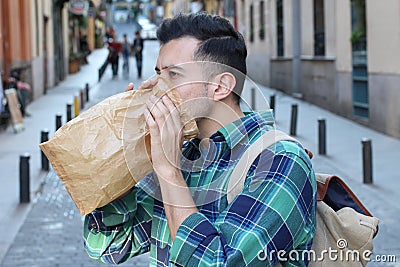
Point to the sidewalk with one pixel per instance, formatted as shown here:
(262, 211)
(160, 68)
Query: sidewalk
(54, 224)
(43, 110)
(51, 209)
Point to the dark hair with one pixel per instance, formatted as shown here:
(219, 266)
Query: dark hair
(219, 41)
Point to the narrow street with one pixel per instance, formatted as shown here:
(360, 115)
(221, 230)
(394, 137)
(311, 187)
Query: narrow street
(53, 221)
(48, 231)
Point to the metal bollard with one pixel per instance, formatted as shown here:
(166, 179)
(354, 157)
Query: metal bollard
(253, 98)
(272, 103)
(293, 120)
(76, 105)
(43, 138)
(367, 160)
(58, 121)
(69, 112)
(82, 99)
(24, 187)
(87, 92)
(321, 136)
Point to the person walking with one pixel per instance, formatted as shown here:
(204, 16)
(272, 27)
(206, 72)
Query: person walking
(138, 50)
(113, 57)
(125, 56)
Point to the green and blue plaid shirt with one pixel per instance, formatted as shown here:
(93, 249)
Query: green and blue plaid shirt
(272, 216)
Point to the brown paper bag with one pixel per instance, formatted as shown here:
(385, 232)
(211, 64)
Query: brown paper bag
(103, 152)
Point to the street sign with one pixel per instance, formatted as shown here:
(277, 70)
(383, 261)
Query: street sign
(78, 7)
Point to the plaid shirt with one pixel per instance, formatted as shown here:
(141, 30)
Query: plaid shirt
(274, 213)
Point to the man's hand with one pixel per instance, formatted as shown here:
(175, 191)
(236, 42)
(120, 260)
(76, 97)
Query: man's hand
(144, 85)
(166, 139)
(130, 87)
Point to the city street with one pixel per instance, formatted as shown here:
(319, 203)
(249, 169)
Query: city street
(48, 231)
(53, 225)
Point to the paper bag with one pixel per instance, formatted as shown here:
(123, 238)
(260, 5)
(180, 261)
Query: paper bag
(102, 153)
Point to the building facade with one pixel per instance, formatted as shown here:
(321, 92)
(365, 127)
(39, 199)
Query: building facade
(342, 55)
(32, 34)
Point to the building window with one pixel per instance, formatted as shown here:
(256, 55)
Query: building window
(262, 21)
(319, 28)
(280, 26)
(359, 59)
(251, 23)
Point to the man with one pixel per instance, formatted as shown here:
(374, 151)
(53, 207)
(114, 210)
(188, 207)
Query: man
(113, 57)
(138, 50)
(181, 213)
(125, 55)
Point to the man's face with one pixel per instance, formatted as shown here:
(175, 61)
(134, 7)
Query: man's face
(175, 64)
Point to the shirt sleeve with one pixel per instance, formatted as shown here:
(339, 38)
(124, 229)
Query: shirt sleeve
(121, 229)
(272, 216)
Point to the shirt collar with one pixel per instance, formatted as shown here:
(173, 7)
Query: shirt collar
(242, 128)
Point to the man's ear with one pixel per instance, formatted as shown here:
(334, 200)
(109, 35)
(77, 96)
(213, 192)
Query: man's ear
(223, 86)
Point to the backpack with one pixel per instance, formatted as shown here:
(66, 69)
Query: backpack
(345, 228)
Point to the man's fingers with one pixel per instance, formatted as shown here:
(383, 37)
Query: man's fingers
(148, 83)
(129, 87)
(157, 109)
(173, 110)
(153, 127)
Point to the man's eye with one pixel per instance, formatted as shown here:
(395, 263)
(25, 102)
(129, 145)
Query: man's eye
(173, 74)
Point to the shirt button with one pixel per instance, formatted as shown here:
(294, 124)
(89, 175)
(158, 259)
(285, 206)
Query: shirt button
(93, 225)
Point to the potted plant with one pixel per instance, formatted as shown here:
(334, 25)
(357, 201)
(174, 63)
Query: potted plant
(74, 62)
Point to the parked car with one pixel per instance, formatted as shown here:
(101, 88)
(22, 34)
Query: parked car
(142, 20)
(121, 12)
(149, 31)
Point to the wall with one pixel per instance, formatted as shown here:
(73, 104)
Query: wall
(383, 42)
(65, 37)
(50, 43)
(307, 30)
(384, 106)
(259, 51)
(342, 46)
(37, 64)
(383, 33)
(2, 36)
(281, 75)
(327, 81)
(318, 82)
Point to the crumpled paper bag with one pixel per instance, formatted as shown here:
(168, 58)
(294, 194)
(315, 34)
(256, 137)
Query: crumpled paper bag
(104, 152)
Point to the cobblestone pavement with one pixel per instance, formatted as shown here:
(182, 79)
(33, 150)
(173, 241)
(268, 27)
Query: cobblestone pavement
(54, 237)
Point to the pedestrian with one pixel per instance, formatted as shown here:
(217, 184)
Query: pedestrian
(138, 50)
(180, 213)
(110, 35)
(125, 55)
(113, 57)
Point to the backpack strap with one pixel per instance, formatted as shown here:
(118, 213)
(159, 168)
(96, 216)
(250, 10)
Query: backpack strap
(239, 173)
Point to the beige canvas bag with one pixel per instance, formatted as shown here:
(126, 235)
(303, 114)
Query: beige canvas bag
(345, 228)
